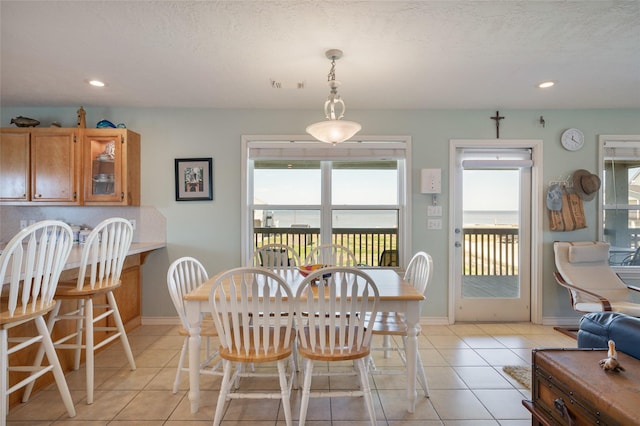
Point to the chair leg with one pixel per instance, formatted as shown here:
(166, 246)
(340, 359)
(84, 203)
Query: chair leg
(386, 344)
(58, 374)
(4, 379)
(123, 333)
(89, 355)
(79, 328)
(40, 354)
(306, 390)
(183, 355)
(294, 373)
(284, 390)
(361, 367)
(224, 390)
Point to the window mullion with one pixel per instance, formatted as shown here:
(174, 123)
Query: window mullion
(326, 207)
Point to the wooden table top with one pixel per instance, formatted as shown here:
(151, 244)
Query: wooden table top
(391, 286)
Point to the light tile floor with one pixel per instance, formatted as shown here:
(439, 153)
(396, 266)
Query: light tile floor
(463, 363)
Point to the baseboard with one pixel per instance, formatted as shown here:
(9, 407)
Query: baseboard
(561, 321)
(555, 321)
(160, 321)
(434, 320)
(176, 321)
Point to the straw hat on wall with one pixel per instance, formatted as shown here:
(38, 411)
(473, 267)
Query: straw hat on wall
(586, 184)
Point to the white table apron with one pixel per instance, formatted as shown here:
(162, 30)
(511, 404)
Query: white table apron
(409, 305)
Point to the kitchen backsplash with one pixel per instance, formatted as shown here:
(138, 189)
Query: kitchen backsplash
(151, 225)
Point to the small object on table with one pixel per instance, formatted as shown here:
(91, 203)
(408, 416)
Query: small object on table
(307, 269)
(21, 121)
(611, 363)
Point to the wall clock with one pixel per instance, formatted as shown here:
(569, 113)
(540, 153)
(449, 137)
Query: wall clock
(572, 139)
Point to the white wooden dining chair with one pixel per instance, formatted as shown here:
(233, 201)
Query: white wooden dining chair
(332, 255)
(31, 264)
(277, 257)
(101, 264)
(389, 324)
(184, 275)
(237, 297)
(335, 308)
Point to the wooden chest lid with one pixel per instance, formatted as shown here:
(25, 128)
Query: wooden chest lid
(617, 394)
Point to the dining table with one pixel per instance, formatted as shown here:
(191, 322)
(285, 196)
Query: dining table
(395, 295)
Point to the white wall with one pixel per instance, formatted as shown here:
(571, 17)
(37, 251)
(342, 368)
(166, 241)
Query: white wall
(210, 230)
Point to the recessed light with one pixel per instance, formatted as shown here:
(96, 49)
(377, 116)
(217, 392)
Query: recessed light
(546, 84)
(96, 83)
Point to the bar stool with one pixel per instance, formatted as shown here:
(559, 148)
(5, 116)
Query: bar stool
(31, 265)
(101, 264)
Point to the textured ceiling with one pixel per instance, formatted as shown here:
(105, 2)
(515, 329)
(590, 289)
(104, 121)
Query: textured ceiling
(397, 54)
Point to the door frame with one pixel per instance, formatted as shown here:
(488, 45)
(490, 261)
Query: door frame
(536, 216)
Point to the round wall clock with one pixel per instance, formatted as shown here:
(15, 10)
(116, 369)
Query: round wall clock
(572, 139)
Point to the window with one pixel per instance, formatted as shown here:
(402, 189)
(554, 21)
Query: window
(620, 200)
(305, 193)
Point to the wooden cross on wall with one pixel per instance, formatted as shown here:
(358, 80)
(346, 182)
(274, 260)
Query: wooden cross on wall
(497, 117)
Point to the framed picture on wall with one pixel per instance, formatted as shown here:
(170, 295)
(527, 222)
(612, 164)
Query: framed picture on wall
(194, 179)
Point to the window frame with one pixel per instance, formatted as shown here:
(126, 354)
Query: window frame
(629, 272)
(399, 144)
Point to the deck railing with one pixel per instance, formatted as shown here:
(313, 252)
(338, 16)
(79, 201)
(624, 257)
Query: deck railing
(490, 251)
(487, 251)
(367, 244)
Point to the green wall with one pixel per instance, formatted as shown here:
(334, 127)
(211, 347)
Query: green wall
(211, 230)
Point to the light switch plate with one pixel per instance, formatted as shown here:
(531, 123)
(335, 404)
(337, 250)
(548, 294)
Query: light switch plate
(434, 210)
(434, 224)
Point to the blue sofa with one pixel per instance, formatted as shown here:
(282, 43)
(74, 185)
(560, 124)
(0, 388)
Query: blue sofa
(597, 328)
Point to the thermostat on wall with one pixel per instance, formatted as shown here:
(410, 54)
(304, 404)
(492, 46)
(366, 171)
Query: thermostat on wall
(431, 181)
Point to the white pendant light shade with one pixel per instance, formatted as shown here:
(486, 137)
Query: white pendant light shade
(333, 131)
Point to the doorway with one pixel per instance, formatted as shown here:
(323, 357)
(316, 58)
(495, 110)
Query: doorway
(492, 217)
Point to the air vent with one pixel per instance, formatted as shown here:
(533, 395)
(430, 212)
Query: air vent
(277, 84)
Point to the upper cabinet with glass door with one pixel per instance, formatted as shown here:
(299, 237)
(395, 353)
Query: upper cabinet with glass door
(111, 160)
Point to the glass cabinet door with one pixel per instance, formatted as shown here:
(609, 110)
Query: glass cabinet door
(103, 179)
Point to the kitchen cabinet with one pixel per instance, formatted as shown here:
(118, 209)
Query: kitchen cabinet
(111, 160)
(39, 166)
(69, 166)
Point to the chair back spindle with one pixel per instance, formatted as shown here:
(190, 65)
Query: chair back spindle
(332, 255)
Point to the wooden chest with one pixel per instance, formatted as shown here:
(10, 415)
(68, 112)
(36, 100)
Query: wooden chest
(570, 388)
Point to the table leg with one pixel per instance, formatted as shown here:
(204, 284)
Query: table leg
(412, 317)
(193, 317)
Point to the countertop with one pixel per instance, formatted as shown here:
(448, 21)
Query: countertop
(76, 251)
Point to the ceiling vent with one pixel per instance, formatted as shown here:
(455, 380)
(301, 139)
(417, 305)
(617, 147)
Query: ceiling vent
(276, 84)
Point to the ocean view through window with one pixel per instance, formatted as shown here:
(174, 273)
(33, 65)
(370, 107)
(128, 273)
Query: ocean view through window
(354, 196)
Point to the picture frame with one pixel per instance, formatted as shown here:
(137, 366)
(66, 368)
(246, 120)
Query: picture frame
(194, 179)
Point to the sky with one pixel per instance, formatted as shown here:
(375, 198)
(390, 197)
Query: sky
(484, 189)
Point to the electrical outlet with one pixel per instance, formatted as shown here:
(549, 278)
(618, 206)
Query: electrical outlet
(133, 223)
(23, 224)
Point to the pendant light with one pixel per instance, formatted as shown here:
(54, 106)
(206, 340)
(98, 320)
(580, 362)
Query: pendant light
(334, 130)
